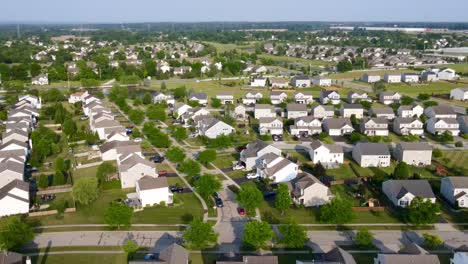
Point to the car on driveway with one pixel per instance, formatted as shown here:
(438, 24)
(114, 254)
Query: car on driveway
(157, 159)
(219, 203)
(162, 173)
(150, 257)
(238, 166)
(241, 211)
(269, 194)
(137, 139)
(277, 137)
(252, 176)
(176, 188)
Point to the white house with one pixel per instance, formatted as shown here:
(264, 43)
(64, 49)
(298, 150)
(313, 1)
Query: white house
(354, 97)
(152, 191)
(303, 97)
(390, 98)
(300, 81)
(413, 110)
(455, 190)
(371, 154)
(429, 76)
(14, 198)
(438, 126)
(328, 155)
(132, 167)
(35, 101)
(278, 83)
(459, 94)
(304, 126)
(100, 126)
(239, 112)
(212, 127)
(323, 111)
(201, 98)
(10, 171)
(410, 254)
(41, 79)
(386, 112)
(347, 110)
(180, 109)
(413, 153)
(370, 78)
(77, 97)
(264, 110)
(309, 191)
(225, 98)
(277, 97)
(276, 168)
(447, 74)
(114, 149)
(258, 82)
(322, 81)
(375, 126)
(15, 145)
(329, 96)
(408, 126)
(159, 97)
(296, 110)
(402, 192)
(440, 111)
(410, 77)
(337, 126)
(251, 98)
(270, 126)
(392, 78)
(255, 150)
(459, 258)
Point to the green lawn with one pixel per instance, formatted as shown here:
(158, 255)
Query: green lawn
(60, 199)
(85, 172)
(304, 62)
(225, 161)
(81, 259)
(463, 67)
(343, 172)
(429, 88)
(455, 158)
(358, 75)
(298, 155)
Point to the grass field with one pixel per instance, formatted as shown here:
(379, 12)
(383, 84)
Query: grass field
(304, 62)
(358, 74)
(428, 88)
(455, 158)
(221, 47)
(463, 67)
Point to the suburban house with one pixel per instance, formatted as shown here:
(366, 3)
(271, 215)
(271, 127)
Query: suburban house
(413, 153)
(159, 97)
(152, 191)
(371, 154)
(413, 110)
(15, 134)
(133, 167)
(180, 109)
(13, 155)
(264, 110)
(336, 255)
(337, 126)
(309, 191)
(440, 111)
(100, 126)
(408, 126)
(347, 110)
(332, 97)
(270, 126)
(455, 190)
(225, 98)
(386, 112)
(239, 112)
(354, 97)
(278, 97)
(276, 168)
(112, 150)
(212, 127)
(411, 254)
(278, 83)
(460, 256)
(387, 98)
(116, 134)
(251, 98)
(329, 155)
(323, 111)
(402, 192)
(429, 76)
(77, 97)
(296, 110)
(255, 150)
(253, 260)
(14, 126)
(463, 123)
(303, 98)
(305, 126)
(15, 145)
(192, 113)
(446, 74)
(410, 77)
(301, 81)
(459, 94)
(259, 82)
(392, 78)
(201, 98)
(35, 101)
(438, 126)
(41, 79)
(173, 254)
(182, 70)
(322, 81)
(14, 198)
(375, 126)
(10, 171)
(370, 78)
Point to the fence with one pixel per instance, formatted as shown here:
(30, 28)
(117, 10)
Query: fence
(56, 189)
(51, 212)
(368, 209)
(82, 166)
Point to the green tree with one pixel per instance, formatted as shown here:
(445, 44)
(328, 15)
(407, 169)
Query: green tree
(338, 211)
(421, 211)
(163, 86)
(136, 116)
(43, 181)
(437, 153)
(175, 154)
(215, 102)
(220, 142)
(59, 178)
(118, 215)
(283, 198)
(61, 164)
(445, 137)
(432, 241)
(190, 167)
(14, 233)
(207, 184)
(250, 198)
(130, 247)
(104, 170)
(293, 235)
(207, 156)
(156, 113)
(147, 99)
(178, 132)
(424, 96)
(180, 92)
(69, 127)
(199, 235)
(257, 234)
(401, 171)
(364, 238)
(85, 190)
(406, 100)
(344, 66)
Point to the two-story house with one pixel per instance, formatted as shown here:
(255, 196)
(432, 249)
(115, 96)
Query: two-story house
(309, 191)
(437, 126)
(255, 150)
(296, 110)
(371, 154)
(270, 126)
(402, 192)
(332, 97)
(303, 97)
(412, 110)
(375, 126)
(264, 110)
(413, 153)
(305, 126)
(276, 168)
(277, 97)
(388, 98)
(408, 126)
(347, 110)
(329, 155)
(323, 111)
(337, 126)
(455, 190)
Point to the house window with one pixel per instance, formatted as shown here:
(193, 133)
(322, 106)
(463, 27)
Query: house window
(403, 203)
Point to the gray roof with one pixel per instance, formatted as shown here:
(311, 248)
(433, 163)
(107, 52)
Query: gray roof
(296, 107)
(253, 148)
(332, 147)
(5, 191)
(260, 259)
(382, 110)
(353, 106)
(267, 120)
(338, 255)
(301, 77)
(443, 110)
(459, 182)
(199, 96)
(415, 146)
(277, 93)
(377, 120)
(405, 120)
(174, 254)
(452, 121)
(416, 187)
(326, 107)
(412, 249)
(149, 183)
(107, 123)
(134, 160)
(410, 259)
(12, 166)
(264, 106)
(118, 145)
(372, 148)
(335, 123)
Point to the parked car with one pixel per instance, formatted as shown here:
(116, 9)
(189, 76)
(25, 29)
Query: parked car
(241, 211)
(150, 257)
(219, 203)
(269, 194)
(157, 159)
(238, 166)
(252, 175)
(277, 137)
(162, 173)
(176, 123)
(194, 135)
(137, 139)
(130, 126)
(176, 188)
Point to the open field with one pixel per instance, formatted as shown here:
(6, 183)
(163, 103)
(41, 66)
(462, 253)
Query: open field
(455, 158)
(428, 88)
(463, 67)
(221, 47)
(304, 62)
(358, 74)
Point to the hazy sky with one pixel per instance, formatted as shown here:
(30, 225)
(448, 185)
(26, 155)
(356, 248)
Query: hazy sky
(232, 10)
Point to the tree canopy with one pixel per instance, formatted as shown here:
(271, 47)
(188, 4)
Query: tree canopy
(118, 215)
(207, 156)
(338, 211)
(421, 211)
(257, 234)
(175, 154)
(250, 198)
(207, 184)
(293, 235)
(199, 235)
(190, 167)
(283, 198)
(86, 190)
(14, 233)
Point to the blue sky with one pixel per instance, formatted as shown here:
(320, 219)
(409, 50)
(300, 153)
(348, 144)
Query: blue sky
(232, 10)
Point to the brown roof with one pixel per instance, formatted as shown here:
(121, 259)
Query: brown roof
(149, 183)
